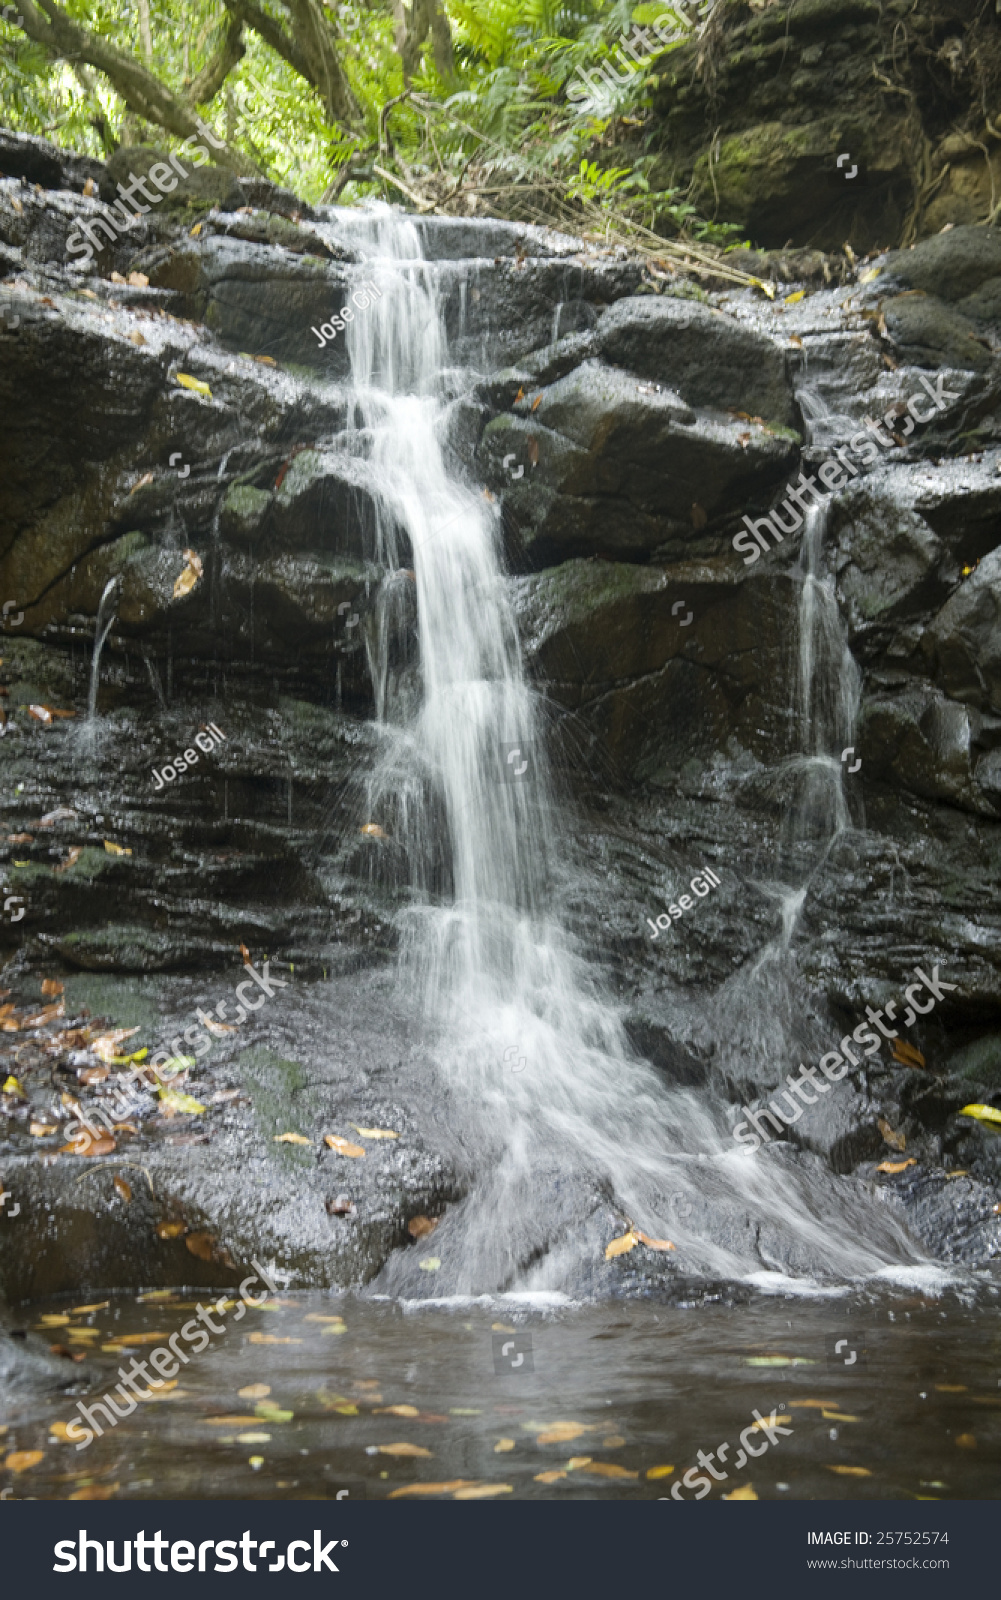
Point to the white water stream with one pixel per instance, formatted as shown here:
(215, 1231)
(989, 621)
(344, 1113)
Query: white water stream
(564, 1133)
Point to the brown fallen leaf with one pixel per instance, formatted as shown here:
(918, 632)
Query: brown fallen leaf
(343, 1147)
(103, 1146)
(796, 340)
(58, 1430)
(404, 1449)
(291, 1138)
(170, 1230)
(92, 1075)
(549, 1477)
(897, 1141)
(896, 1166)
(141, 484)
(135, 337)
(71, 859)
(42, 1130)
(52, 986)
(124, 1189)
(138, 280)
(20, 838)
(115, 849)
(906, 1054)
(90, 188)
(966, 1441)
(255, 1391)
(116, 277)
(811, 1405)
(851, 1472)
(127, 1339)
(245, 953)
(341, 1206)
(373, 831)
(269, 1338)
(374, 1133)
(202, 1245)
(576, 1463)
(519, 396)
(536, 403)
(231, 1422)
(483, 1491)
(613, 1442)
(420, 1227)
(86, 1311)
(502, 1446)
(189, 575)
(105, 1046)
(23, 1460)
(396, 1411)
(608, 1469)
(653, 1244)
(621, 1246)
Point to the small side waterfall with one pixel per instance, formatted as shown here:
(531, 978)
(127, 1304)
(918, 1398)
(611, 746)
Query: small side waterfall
(563, 1131)
(106, 612)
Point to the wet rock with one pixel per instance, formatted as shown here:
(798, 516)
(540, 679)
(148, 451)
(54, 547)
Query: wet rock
(951, 266)
(35, 160)
(963, 643)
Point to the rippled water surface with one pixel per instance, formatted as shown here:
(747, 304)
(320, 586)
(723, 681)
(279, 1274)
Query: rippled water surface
(384, 1399)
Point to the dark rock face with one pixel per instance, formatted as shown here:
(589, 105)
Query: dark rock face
(144, 426)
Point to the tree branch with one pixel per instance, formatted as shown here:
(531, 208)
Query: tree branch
(207, 83)
(142, 92)
(272, 33)
(315, 39)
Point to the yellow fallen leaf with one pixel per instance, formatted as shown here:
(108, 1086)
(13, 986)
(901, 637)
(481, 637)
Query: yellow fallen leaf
(779, 1423)
(896, 1166)
(851, 1472)
(231, 1422)
(981, 1113)
(396, 1411)
(58, 1430)
(906, 1054)
(196, 230)
(373, 1133)
(173, 1101)
(746, 1493)
(11, 1086)
(562, 1432)
(503, 1446)
(619, 1247)
(653, 1244)
(549, 1477)
(127, 1339)
(269, 1338)
(966, 1441)
(185, 581)
(766, 288)
(961, 1172)
(344, 1147)
(52, 1319)
(138, 280)
(117, 850)
(429, 1263)
(431, 1488)
(838, 1416)
(135, 337)
(23, 1460)
(255, 1391)
(659, 1472)
(41, 1130)
(404, 1449)
(170, 1230)
(315, 1316)
(951, 1388)
(867, 277)
(195, 384)
(86, 1311)
(483, 1491)
(576, 1462)
(291, 1138)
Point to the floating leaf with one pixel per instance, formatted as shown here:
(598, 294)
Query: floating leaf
(316, 1316)
(405, 1450)
(503, 1446)
(981, 1113)
(170, 1230)
(562, 1432)
(396, 1411)
(104, 1145)
(791, 299)
(966, 1441)
(549, 1477)
(896, 1140)
(195, 231)
(577, 1462)
(253, 1438)
(429, 1263)
(23, 1460)
(838, 1416)
(613, 1441)
(431, 1488)
(653, 1244)
(609, 1469)
(230, 1422)
(483, 1491)
(896, 1166)
(812, 1405)
(53, 1319)
(778, 1361)
(255, 1391)
(619, 1247)
(195, 384)
(343, 1147)
(851, 1472)
(373, 1133)
(59, 1430)
(420, 1227)
(202, 1245)
(100, 1305)
(269, 1338)
(659, 1472)
(116, 850)
(291, 1138)
(745, 1493)
(269, 1412)
(106, 1045)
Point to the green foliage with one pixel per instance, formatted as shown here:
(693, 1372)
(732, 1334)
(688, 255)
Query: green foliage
(503, 121)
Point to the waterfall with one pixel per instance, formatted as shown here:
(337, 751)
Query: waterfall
(565, 1135)
(105, 618)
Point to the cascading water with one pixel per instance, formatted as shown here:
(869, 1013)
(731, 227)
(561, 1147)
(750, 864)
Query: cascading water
(558, 1127)
(106, 612)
